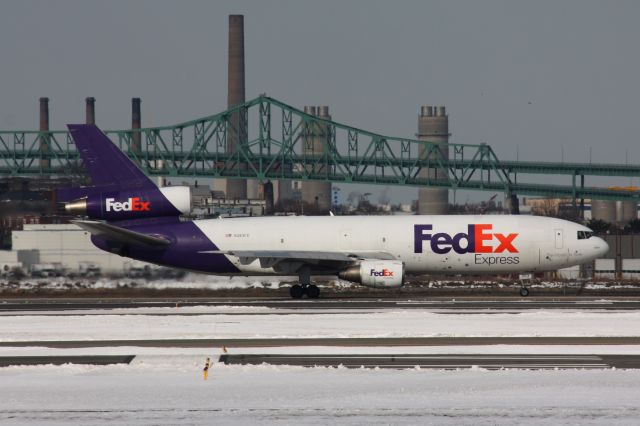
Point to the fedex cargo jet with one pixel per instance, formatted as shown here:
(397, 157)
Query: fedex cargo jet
(127, 214)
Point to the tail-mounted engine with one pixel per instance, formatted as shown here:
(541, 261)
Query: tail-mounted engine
(376, 273)
(133, 204)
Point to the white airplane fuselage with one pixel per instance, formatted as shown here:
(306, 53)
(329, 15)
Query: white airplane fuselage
(425, 244)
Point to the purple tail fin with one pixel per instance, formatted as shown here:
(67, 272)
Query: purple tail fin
(120, 190)
(105, 163)
(110, 169)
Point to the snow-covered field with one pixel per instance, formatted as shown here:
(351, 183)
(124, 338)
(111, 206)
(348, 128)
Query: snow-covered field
(195, 281)
(212, 282)
(214, 322)
(164, 386)
(171, 393)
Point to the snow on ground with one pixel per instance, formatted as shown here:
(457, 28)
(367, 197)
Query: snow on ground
(400, 323)
(199, 354)
(174, 392)
(164, 386)
(213, 282)
(198, 281)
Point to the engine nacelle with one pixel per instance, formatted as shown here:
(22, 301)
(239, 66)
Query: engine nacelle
(133, 204)
(376, 273)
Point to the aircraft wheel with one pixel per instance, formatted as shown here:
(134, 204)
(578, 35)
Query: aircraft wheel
(296, 291)
(313, 291)
(524, 292)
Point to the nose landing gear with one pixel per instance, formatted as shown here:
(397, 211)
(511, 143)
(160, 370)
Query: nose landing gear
(524, 291)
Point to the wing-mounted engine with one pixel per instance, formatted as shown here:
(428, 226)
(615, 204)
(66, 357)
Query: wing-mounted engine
(126, 204)
(376, 273)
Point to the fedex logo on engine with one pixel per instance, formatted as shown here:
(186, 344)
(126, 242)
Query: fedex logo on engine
(477, 239)
(384, 273)
(133, 204)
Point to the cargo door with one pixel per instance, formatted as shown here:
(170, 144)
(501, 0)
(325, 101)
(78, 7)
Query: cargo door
(559, 238)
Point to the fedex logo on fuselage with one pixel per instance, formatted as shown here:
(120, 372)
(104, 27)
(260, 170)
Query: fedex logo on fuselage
(476, 240)
(384, 273)
(133, 204)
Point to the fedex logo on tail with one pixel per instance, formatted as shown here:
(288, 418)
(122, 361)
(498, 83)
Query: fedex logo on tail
(133, 204)
(477, 239)
(384, 273)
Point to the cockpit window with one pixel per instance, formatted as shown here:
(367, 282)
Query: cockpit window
(584, 235)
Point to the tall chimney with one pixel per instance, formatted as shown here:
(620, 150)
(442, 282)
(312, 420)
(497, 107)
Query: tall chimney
(317, 194)
(90, 110)
(236, 60)
(236, 188)
(44, 127)
(136, 123)
(433, 127)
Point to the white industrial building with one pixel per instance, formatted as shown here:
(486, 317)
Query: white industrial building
(65, 245)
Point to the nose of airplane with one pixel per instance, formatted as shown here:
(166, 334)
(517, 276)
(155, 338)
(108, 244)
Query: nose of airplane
(600, 246)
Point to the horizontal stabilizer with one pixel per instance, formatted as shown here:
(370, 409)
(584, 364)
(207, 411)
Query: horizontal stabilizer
(120, 235)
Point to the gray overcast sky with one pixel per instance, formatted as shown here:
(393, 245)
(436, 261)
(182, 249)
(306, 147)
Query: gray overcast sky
(537, 77)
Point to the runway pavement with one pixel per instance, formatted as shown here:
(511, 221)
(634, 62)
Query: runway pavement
(6, 361)
(399, 361)
(353, 304)
(444, 361)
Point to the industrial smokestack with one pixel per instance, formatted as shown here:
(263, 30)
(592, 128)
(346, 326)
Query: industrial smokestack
(45, 163)
(433, 126)
(236, 61)
(268, 197)
(90, 110)
(317, 194)
(136, 123)
(236, 188)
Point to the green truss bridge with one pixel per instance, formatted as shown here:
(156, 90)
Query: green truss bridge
(271, 140)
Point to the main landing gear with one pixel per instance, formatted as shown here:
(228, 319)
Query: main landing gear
(305, 287)
(297, 291)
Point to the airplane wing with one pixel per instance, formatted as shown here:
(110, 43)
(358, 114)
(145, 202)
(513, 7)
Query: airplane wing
(290, 254)
(275, 256)
(120, 235)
